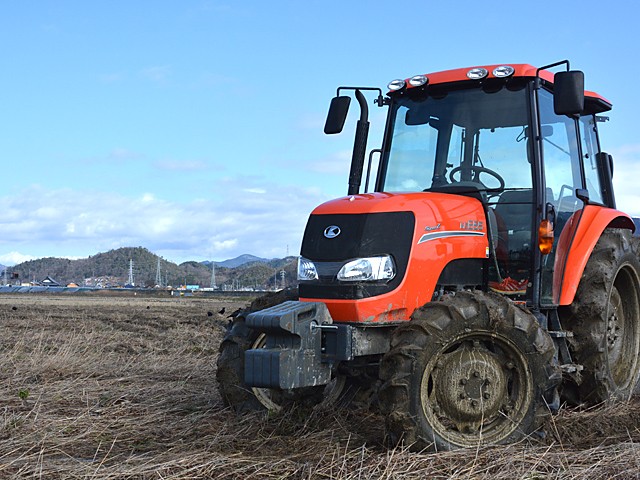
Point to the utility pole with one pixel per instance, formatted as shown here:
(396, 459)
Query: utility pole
(213, 275)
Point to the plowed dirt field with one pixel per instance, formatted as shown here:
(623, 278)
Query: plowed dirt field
(123, 387)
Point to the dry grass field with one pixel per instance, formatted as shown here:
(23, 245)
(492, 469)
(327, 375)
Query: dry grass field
(124, 388)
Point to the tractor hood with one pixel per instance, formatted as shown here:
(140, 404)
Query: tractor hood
(422, 232)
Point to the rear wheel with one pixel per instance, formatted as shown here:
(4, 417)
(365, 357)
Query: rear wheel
(605, 320)
(471, 370)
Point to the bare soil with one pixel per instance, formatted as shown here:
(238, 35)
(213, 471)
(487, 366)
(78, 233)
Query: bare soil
(115, 387)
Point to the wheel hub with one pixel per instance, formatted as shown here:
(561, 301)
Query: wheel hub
(470, 385)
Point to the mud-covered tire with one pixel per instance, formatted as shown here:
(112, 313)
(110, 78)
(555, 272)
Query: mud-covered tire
(471, 370)
(605, 321)
(230, 372)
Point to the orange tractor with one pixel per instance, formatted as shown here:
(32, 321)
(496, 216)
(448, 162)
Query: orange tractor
(486, 278)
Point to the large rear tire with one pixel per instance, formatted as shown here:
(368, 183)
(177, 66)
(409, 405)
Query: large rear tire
(605, 320)
(471, 370)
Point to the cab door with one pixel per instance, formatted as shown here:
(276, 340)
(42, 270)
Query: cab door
(563, 176)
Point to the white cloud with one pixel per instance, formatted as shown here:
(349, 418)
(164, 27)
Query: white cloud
(265, 222)
(157, 74)
(221, 247)
(116, 155)
(13, 258)
(258, 191)
(113, 77)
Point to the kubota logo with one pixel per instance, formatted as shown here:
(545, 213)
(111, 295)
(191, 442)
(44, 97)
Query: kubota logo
(332, 231)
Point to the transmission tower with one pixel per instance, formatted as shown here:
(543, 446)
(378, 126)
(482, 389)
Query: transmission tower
(213, 275)
(158, 275)
(130, 279)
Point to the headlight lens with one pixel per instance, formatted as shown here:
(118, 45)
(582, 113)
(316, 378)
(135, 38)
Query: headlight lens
(368, 269)
(503, 71)
(477, 73)
(306, 269)
(418, 80)
(395, 85)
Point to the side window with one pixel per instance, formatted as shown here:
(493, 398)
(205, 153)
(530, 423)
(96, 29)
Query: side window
(561, 158)
(589, 151)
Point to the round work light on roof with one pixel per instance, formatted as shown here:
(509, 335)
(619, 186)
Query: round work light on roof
(503, 71)
(418, 80)
(396, 85)
(477, 73)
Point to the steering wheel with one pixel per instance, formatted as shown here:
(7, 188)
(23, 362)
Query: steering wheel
(476, 177)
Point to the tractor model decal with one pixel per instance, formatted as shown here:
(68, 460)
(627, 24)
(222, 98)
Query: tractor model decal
(436, 235)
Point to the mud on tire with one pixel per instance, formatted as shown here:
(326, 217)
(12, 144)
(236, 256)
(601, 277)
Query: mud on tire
(605, 320)
(471, 370)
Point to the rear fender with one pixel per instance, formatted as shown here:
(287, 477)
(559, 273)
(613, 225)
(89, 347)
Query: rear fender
(576, 243)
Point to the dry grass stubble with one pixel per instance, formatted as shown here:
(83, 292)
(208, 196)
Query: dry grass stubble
(124, 387)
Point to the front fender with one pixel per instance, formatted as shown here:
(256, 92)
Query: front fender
(576, 243)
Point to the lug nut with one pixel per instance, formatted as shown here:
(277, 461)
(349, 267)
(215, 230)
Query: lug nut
(476, 374)
(486, 395)
(463, 381)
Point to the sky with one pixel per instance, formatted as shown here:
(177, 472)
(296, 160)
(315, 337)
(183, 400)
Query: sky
(193, 128)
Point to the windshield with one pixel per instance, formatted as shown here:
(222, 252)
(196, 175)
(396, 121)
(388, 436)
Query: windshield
(468, 139)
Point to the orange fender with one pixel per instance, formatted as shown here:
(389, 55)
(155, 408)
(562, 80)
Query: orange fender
(576, 242)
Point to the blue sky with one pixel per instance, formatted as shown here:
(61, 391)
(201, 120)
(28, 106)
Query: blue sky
(194, 128)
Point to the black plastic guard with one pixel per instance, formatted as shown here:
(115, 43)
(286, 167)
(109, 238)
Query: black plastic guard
(292, 355)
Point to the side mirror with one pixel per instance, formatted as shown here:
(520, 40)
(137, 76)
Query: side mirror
(337, 114)
(568, 92)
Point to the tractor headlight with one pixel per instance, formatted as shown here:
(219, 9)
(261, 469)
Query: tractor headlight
(395, 85)
(306, 269)
(368, 269)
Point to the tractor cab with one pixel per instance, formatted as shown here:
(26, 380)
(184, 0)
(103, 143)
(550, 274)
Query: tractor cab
(474, 142)
(518, 139)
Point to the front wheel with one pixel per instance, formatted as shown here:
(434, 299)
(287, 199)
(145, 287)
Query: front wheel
(471, 370)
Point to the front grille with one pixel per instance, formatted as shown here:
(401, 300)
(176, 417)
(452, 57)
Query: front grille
(361, 235)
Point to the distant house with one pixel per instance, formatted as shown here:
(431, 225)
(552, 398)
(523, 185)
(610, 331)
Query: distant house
(49, 282)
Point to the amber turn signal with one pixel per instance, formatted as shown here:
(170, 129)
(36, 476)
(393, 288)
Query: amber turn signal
(545, 237)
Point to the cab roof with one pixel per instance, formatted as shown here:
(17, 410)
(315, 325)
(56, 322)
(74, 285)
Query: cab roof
(594, 103)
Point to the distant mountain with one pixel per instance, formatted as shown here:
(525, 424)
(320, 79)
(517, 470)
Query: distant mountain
(112, 268)
(238, 261)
